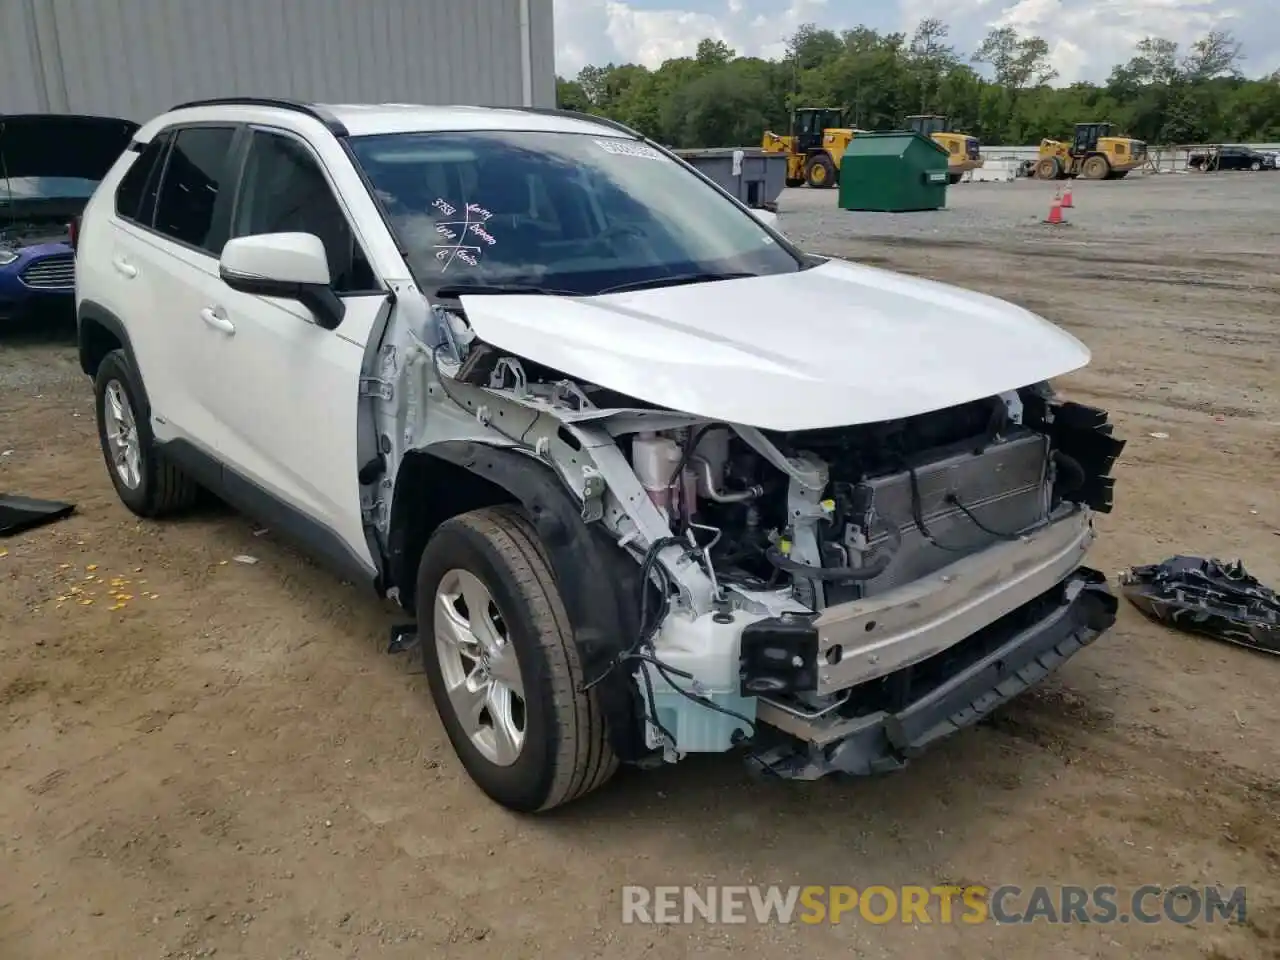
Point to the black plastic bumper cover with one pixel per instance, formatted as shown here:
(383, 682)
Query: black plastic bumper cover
(1021, 661)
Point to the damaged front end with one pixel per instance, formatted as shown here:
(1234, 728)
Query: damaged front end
(832, 600)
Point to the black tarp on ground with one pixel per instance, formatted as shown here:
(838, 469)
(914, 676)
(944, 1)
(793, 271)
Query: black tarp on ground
(22, 513)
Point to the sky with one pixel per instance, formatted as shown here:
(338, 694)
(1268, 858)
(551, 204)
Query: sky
(1087, 37)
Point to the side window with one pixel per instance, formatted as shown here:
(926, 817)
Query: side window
(194, 178)
(284, 191)
(135, 196)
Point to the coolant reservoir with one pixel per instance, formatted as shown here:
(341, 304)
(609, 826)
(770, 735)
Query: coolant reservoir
(654, 460)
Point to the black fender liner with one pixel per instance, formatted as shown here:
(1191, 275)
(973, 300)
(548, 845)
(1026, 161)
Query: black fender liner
(598, 581)
(97, 314)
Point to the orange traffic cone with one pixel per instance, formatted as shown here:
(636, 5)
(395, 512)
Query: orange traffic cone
(1067, 203)
(1055, 211)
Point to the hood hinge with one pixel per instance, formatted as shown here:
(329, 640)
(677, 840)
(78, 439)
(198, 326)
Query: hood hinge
(373, 387)
(372, 511)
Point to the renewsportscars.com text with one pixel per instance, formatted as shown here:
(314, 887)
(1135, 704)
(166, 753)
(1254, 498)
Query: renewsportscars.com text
(943, 904)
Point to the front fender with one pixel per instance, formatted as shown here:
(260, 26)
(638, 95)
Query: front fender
(598, 581)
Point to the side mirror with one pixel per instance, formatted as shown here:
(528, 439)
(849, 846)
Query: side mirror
(767, 217)
(292, 266)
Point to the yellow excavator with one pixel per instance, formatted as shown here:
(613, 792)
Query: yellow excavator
(1092, 153)
(815, 146)
(963, 151)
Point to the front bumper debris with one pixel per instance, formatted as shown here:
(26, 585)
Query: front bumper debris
(1208, 597)
(1006, 658)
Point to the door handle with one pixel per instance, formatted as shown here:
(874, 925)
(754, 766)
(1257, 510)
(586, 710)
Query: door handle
(215, 318)
(124, 267)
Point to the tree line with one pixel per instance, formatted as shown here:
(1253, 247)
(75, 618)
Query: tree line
(1001, 92)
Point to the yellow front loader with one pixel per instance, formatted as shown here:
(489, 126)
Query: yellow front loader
(1093, 154)
(814, 148)
(963, 151)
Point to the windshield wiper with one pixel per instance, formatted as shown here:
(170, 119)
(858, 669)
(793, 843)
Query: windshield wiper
(466, 289)
(675, 280)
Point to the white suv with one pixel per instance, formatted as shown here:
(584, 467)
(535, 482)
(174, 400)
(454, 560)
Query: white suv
(652, 480)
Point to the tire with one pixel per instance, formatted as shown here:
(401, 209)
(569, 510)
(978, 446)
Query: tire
(1256, 166)
(954, 178)
(1095, 167)
(564, 751)
(1048, 168)
(820, 172)
(145, 481)
(795, 181)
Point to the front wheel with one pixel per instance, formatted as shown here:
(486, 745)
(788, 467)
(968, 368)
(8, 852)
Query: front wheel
(1048, 168)
(1256, 165)
(820, 172)
(503, 667)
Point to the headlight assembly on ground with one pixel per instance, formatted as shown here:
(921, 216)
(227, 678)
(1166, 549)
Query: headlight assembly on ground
(935, 904)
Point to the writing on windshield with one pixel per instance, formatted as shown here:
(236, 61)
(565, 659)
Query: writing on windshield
(466, 238)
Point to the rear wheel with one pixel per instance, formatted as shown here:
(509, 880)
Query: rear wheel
(145, 481)
(795, 181)
(503, 666)
(954, 178)
(1095, 167)
(820, 172)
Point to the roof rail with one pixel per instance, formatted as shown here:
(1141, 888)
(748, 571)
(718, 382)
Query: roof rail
(334, 125)
(579, 115)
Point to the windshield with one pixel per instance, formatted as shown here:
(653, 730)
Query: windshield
(575, 212)
(46, 188)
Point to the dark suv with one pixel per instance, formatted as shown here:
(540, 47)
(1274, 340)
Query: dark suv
(1231, 158)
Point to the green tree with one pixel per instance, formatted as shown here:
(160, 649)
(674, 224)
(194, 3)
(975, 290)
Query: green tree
(1018, 62)
(1162, 93)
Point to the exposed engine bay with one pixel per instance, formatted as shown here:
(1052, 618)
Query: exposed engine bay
(29, 232)
(873, 507)
(765, 555)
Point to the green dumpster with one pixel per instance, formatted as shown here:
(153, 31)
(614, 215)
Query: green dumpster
(893, 172)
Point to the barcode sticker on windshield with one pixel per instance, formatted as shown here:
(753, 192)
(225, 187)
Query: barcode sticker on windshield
(629, 148)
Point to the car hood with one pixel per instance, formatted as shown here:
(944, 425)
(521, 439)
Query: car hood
(835, 345)
(58, 145)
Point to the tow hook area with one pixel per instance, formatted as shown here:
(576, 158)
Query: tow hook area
(968, 682)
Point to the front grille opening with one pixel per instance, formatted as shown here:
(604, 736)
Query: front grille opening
(893, 692)
(56, 272)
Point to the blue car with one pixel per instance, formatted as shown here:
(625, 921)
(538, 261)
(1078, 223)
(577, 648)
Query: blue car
(50, 164)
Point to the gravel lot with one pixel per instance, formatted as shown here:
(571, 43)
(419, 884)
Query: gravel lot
(230, 763)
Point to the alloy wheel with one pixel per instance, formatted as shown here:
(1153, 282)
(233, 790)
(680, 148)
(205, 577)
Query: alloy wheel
(479, 666)
(121, 428)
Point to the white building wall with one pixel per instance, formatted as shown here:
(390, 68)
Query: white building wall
(137, 58)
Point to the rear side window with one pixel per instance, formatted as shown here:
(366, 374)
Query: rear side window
(195, 177)
(135, 197)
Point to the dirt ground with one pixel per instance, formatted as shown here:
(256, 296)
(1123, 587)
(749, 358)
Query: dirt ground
(229, 765)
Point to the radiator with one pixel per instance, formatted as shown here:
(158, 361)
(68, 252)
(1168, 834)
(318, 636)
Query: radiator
(1006, 487)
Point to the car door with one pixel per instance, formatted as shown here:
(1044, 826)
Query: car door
(292, 417)
(173, 255)
(108, 261)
